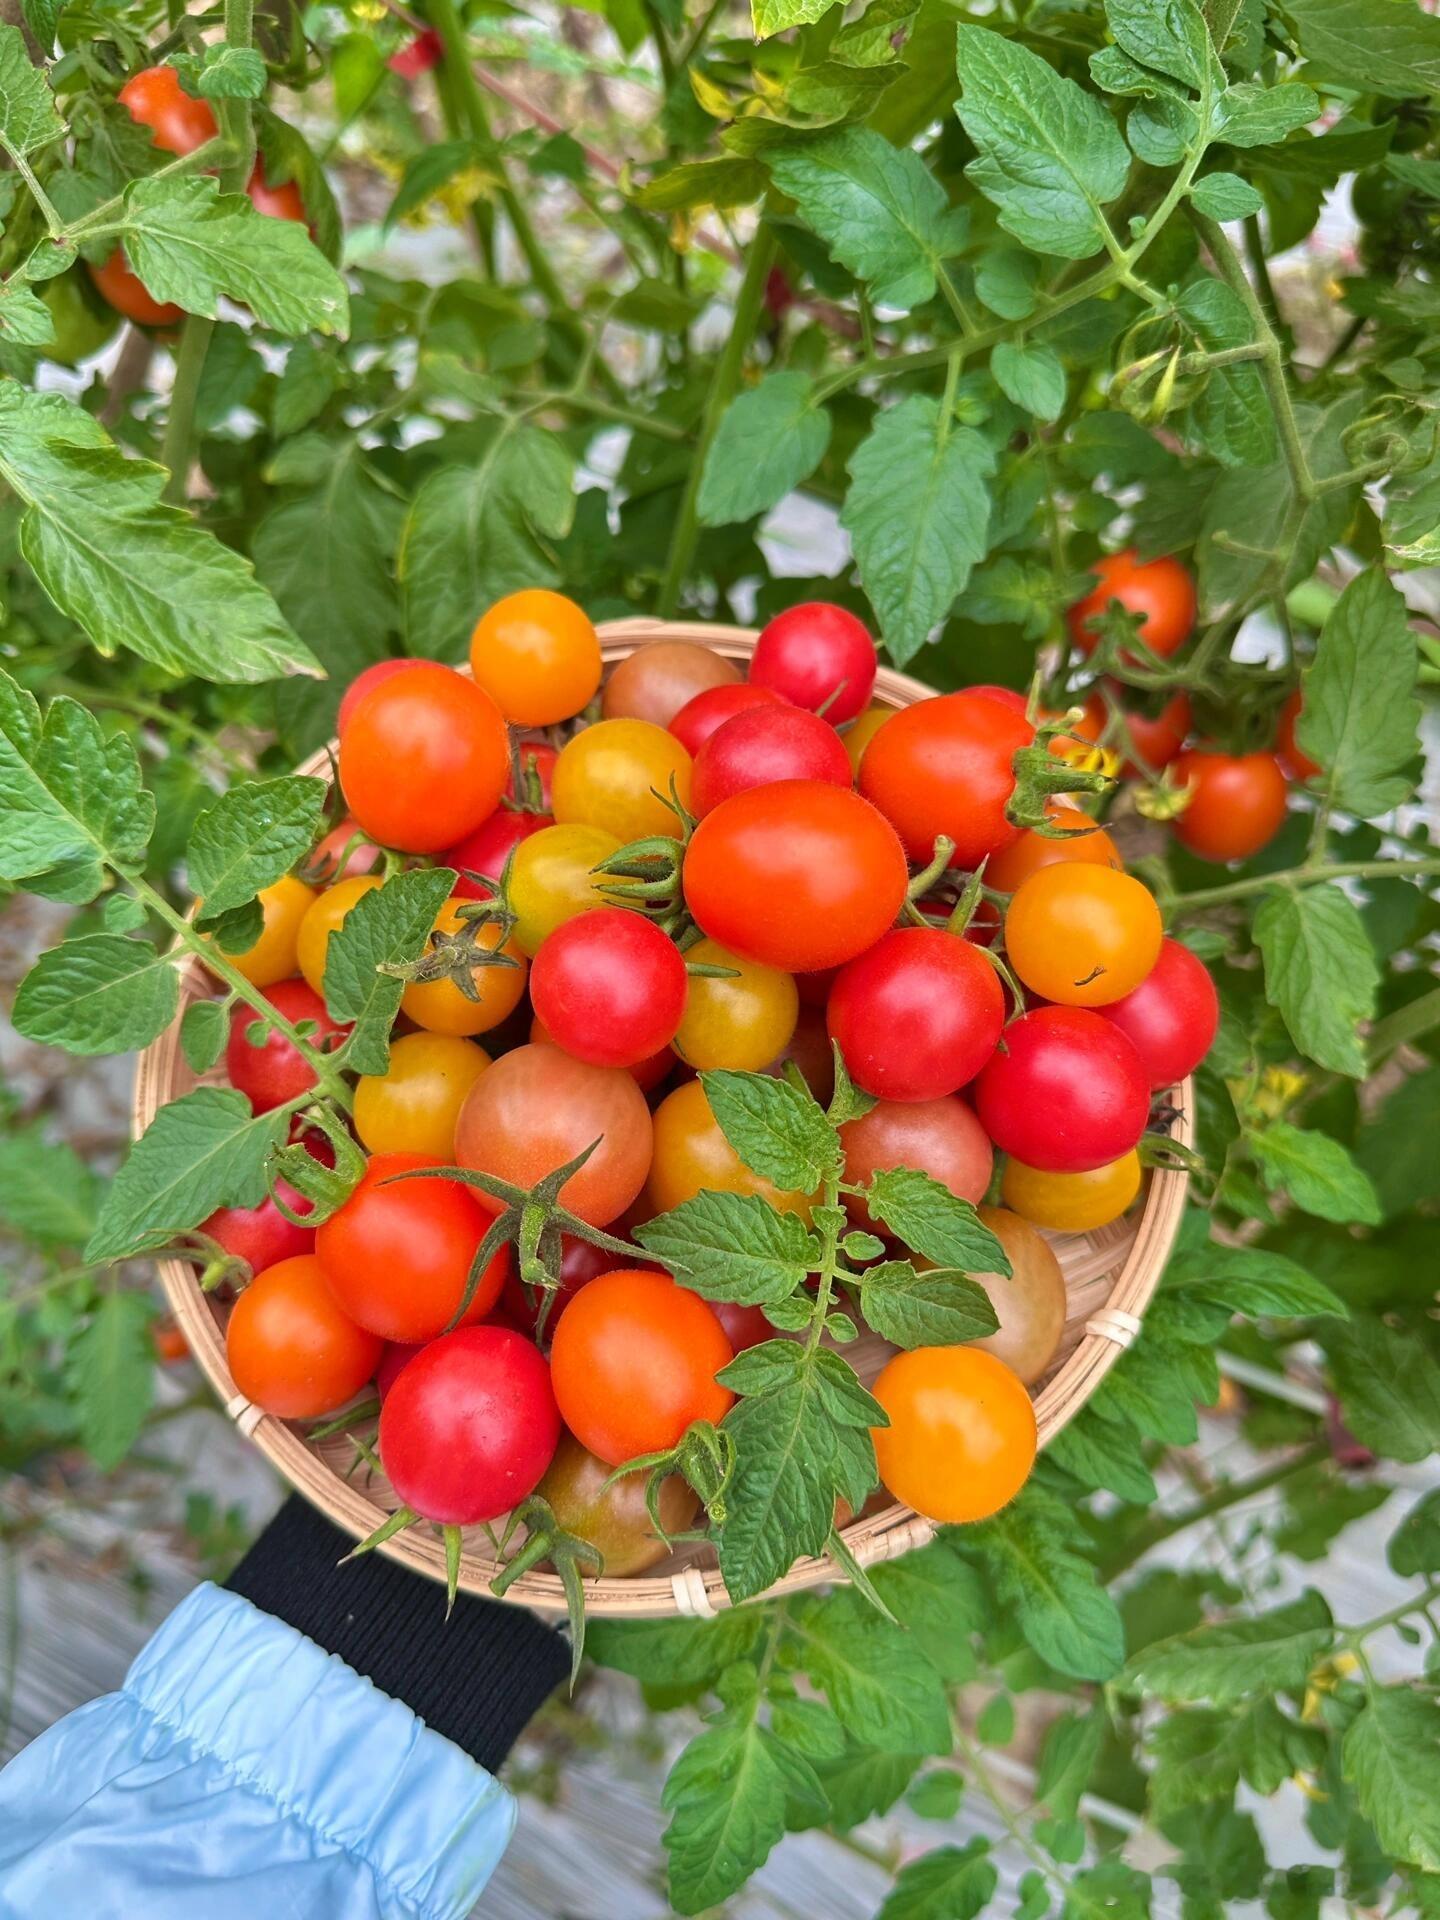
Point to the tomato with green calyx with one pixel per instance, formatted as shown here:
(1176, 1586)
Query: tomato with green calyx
(424, 758)
(1084, 844)
(273, 1070)
(177, 122)
(275, 955)
(946, 766)
(660, 678)
(291, 1348)
(412, 1107)
(538, 657)
(692, 1155)
(536, 1108)
(1030, 1302)
(581, 1261)
(763, 745)
(261, 1236)
(818, 656)
(613, 775)
(1082, 935)
(633, 1364)
(1161, 592)
(444, 1006)
(918, 1015)
(612, 1514)
(1071, 1202)
(532, 776)
(705, 712)
(397, 1254)
(609, 987)
(1067, 1091)
(743, 1021)
(128, 294)
(1237, 802)
(962, 1437)
(939, 1137)
(554, 877)
(469, 1426)
(1172, 1016)
(324, 914)
(801, 876)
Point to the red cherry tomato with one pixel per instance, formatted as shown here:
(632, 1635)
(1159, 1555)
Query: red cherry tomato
(1065, 1092)
(373, 676)
(818, 656)
(647, 1073)
(1154, 742)
(634, 1363)
(469, 1426)
(289, 1347)
(488, 848)
(917, 1016)
(177, 123)
(330, 861)
(945, 766)
(279, 203)
(1160, 591)
(423, 759)
(1237, 803)
(802, 875)
(397, 1256)
(939, 1137)
(1171, 1016)
(713, 706)
(609, 987)
(396, 1357)
(127, 293)
(1297, 764)
(767, 744)
(261, 1236)
(743, 1327)
(1007, 696)
(274, 1072)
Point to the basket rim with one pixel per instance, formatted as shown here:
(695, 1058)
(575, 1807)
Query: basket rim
(695, 1590)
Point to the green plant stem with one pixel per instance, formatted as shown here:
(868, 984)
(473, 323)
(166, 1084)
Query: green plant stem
(975, 1761)
(829, 1249)
(102, 220)
(176, 447)
(722, 390)
(54, 225)
(702, 33)
(237, 122)
(1418, 1603)
(176, 723)
(1188, 903)
(482, 214)
(1404, 1025)
(1165, 1526)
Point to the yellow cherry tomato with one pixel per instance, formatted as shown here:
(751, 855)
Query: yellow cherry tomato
(538, 657)
(692, 1155)
(1071, 1202)
(743, 1023)
(324, 916)
(272, 958)
(412, 1106)
(552, 878)
(858, 735)
(612, 774)
(442, 1006)
(1082, 935)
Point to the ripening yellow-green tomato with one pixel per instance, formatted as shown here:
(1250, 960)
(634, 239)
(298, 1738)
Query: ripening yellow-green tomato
(327, 911)
(1071, 1202)
(858, 735)
(273, 956)
(412, 1106)
(443, 1006)
(553, 877)
(612, 775)
(692, 1155)
(742, 1023)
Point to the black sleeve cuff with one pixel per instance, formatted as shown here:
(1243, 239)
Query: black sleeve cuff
(476, 1678)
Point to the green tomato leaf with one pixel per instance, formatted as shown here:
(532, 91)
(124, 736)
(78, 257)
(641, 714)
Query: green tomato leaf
(386, 926)
(1320, 971)
(1043, 1581)
(726, 1800)
(250, 837)
(1068, 1761)
(1319, 1174)
(774, 16)
(287, 156)
(917, 514)
(1252, 116)
(721, 184)
(309, 378)
(1203, 1755)
(1370, 46)
(1231, 413)
(879, 1684)
(878, 208)
(950, 1883)
(1225, 196)
(46, 1190)
(1360, 716)
(733, 1246)
(675, 1653)
(1273, 1651)
(25, 320)
(29, 118)
(1251, 1280)
(941, 1602)
(1100, 1453)
(110, 1369)
(1005, 282)
(1050, 155)
(231, 73)
(933, 1221)
(768, 441)
(1170, 35)
(201, 1152)
(1396, 1149)
(203, 1030)
(777, 1128)
(1389, 1387)
(1414, 1546)
(1033, 377)
(1391, 1754)
(937, 1308)
(101, 993)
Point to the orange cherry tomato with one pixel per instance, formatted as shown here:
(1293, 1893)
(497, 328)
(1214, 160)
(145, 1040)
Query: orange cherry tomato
(178, 124)
(441, 1006)
(1071, 1202)
(424, 758)
(1237, 803)
(1085, 845)
(326, 911)
(1081, 936)
(946, 766)
(127, 293)
(538, 657)
(692, 1155)
(1160, 591)
(1297, 764)
(274, 956)
(290, 1348)
(961, 1439)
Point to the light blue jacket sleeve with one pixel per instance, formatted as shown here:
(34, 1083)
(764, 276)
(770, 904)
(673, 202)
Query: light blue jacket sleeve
(242, 1773)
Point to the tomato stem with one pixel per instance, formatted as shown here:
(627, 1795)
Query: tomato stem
(1301, 877)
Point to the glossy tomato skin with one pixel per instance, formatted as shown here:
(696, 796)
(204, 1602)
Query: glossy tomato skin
(276, 203)
(1082, 935)
(764, 745)
(658, 679)
(801, 876)
(261, 1236)
(178, 124)
(397, 1254)
(614, 1518)
(486, 850)
(1030, 1302)
(553, 877)
(412, 1107)
(424, 759)
(1172, 1016)
(396, 1356)
(536, 1108)
(611, 776)
(127, 293)
(1154, 740)
(858, 735)
(442, 1006)
(275, 1071)
(709, 709)
(609, 987)
(275, 955)
(647, 1073)
(1071, 1202)
(817, 655)
(634, 1362)
(289, 1346)
(469, 1426)
(1296, 763)
(1085, 843)
(374, 675)
(1237, 803)
(693, 1156)
(945, 766)
(917, 1016)
(962, 1437)
(743, 1327)
(331, 861)
(939, 1137)
(324, 914)
(538, 657)
(1160, 591)
(742, 1023)
(1007, 696)
(1066, 1092)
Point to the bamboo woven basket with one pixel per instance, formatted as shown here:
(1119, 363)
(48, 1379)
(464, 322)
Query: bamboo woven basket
(1110, 1276)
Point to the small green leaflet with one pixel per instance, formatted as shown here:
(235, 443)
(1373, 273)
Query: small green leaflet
(202, 1034)
(675, 1652)
(1361, 717)
(1389, 1387)
(25, 320)
(1042, 1578)
(29, 118)
(1317, 1172)
(310, 376)
(231, 73)
(933, 1221)
(1225, 196)
(1251, 1280)
(936, 1308)
(769, 440)
(1033, 377)
(733, 1246)
(1370, 46)
(250, 837)
(386, 926)
(726, 1798)
(102, 993)
(190, 243)
(110, 1369)
(1005, 282)
(1203, 1754)
(1251, 116)
(1169, 35)
(777, 1128)
(1415, 1544)
(1397, 1150)
(1231, 413)
(1391, 1753)
(71, 801)
(1320, 971)
(730, 182)
(880, 1685)
(1101, 1453)
(1067, 1764)
(46, 1189)
(774, 16)
(949, 1883)
(432, 169)
(917, 514)
(1271, 1651)
(198, 1153)
(878, 208)
(1050, 155)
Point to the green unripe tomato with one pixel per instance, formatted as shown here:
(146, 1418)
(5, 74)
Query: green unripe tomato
(82, 326)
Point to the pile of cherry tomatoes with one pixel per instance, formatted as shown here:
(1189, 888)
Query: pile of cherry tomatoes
(1010, 1002)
